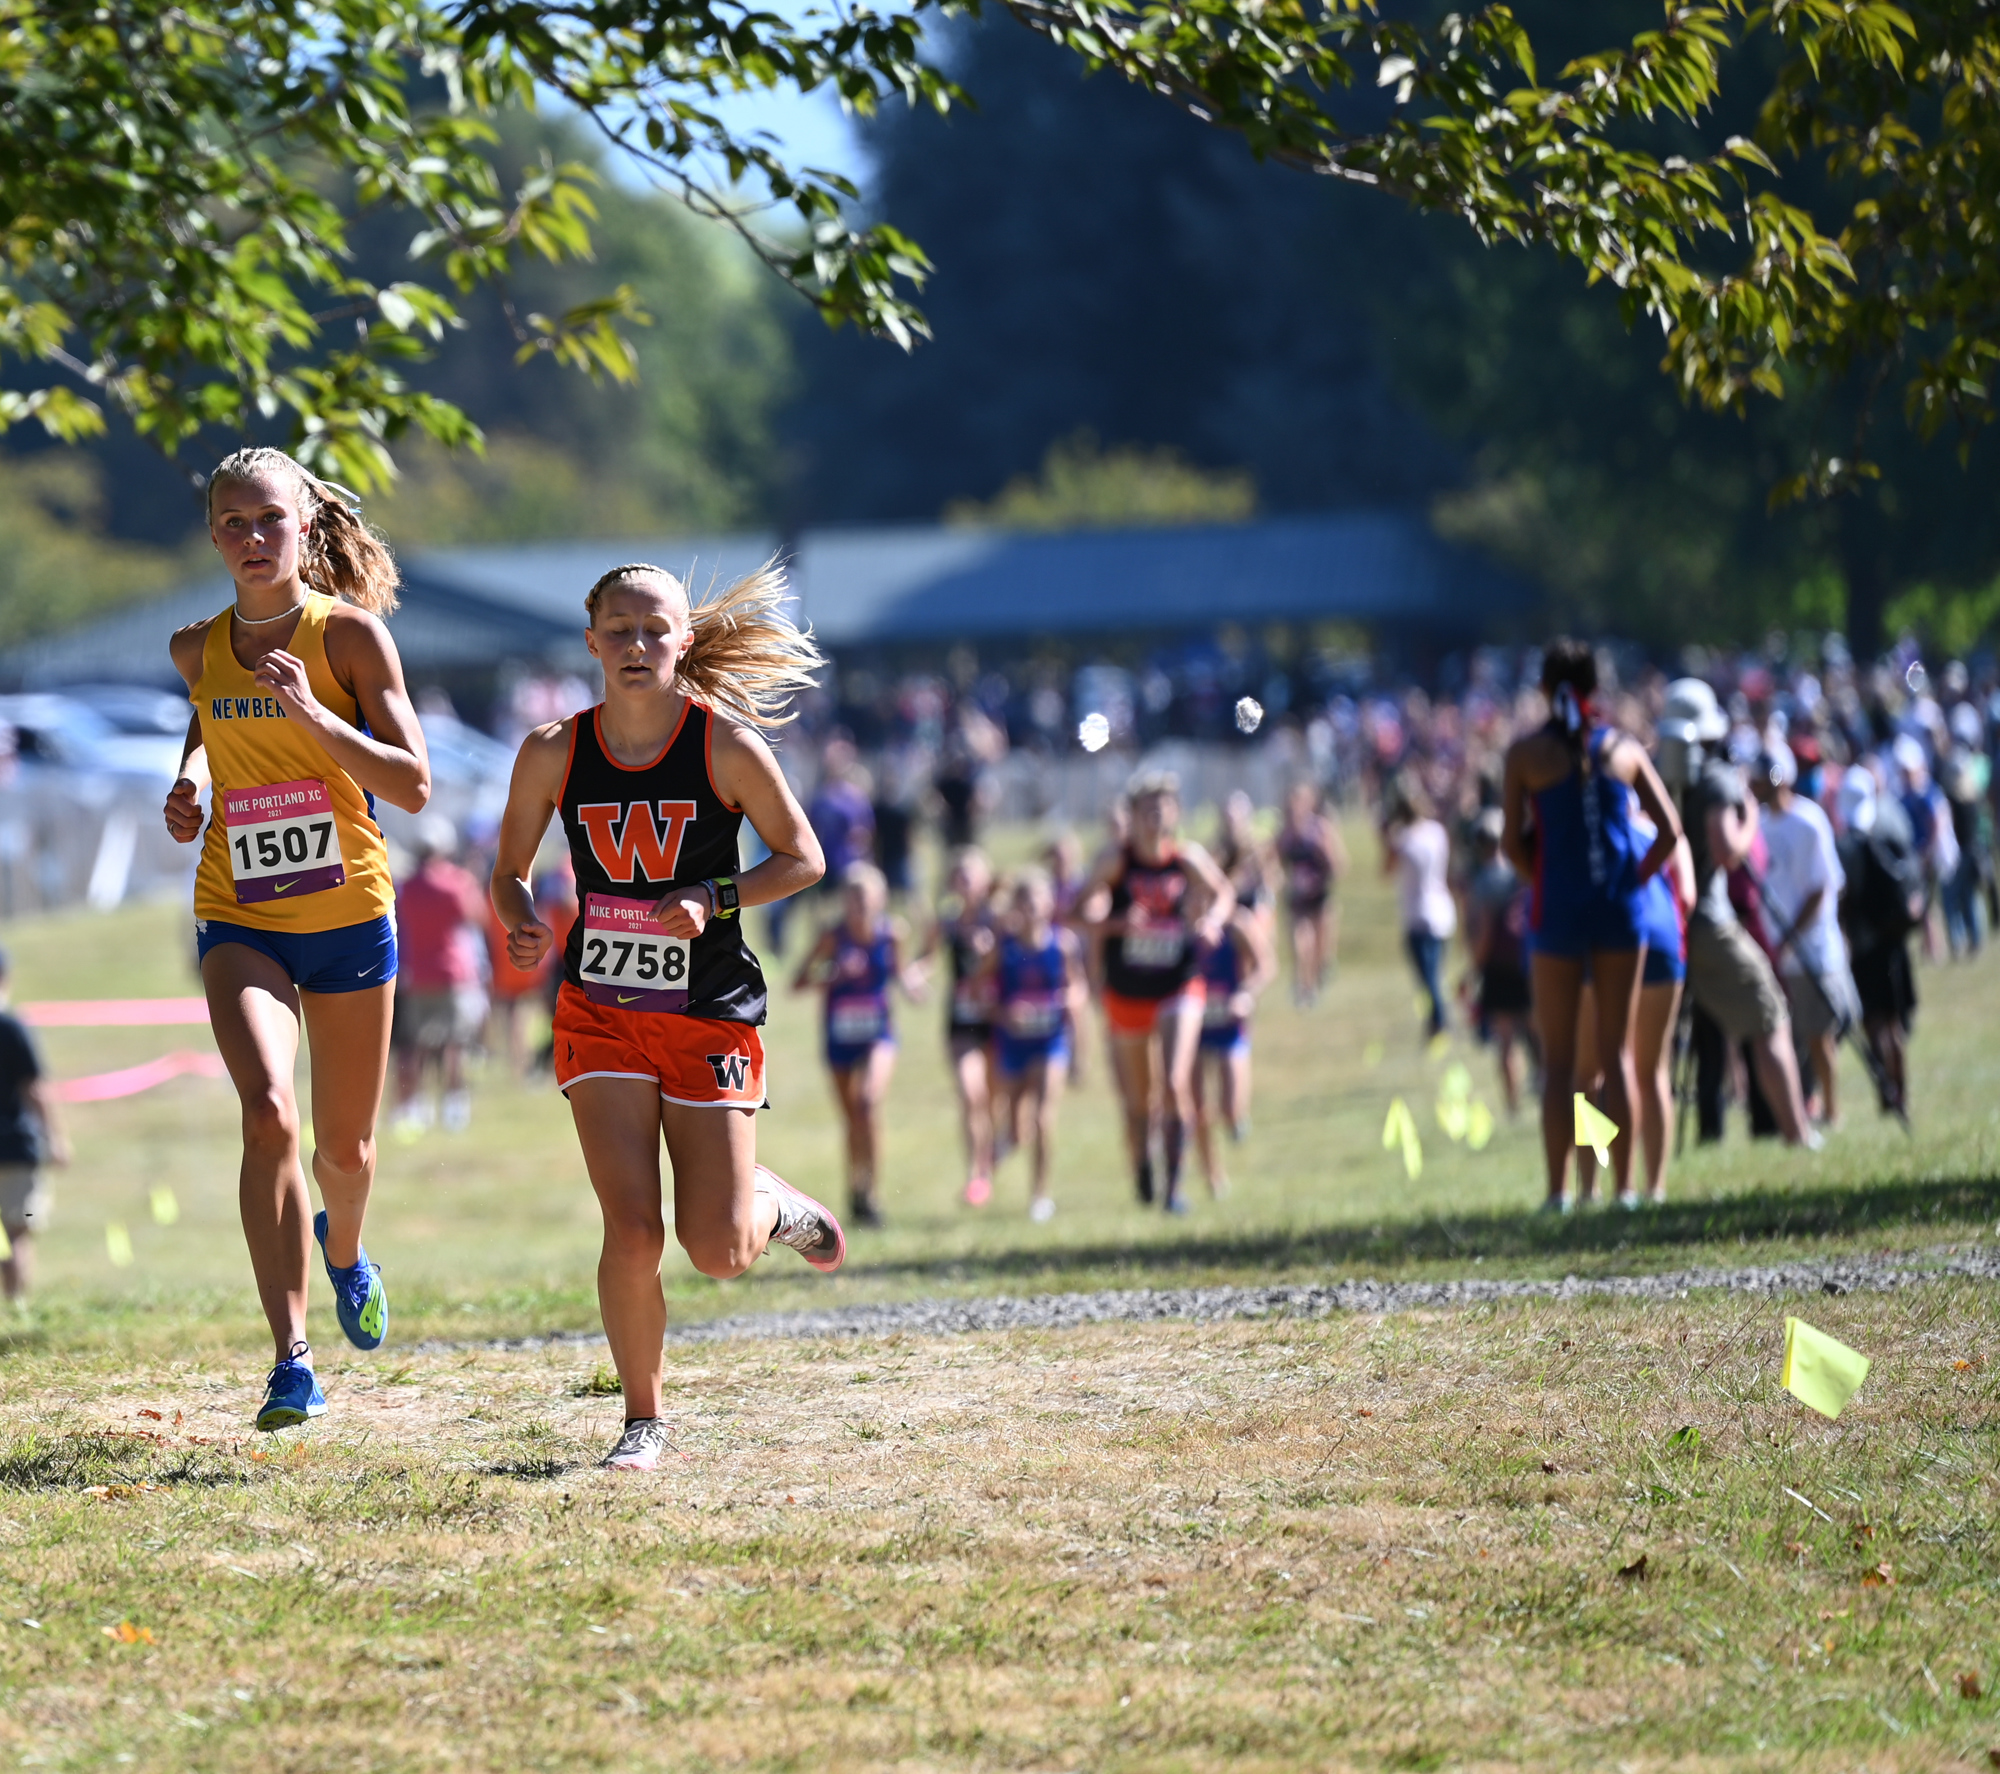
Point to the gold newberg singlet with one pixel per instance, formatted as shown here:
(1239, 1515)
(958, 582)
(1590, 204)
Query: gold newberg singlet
(252, 744)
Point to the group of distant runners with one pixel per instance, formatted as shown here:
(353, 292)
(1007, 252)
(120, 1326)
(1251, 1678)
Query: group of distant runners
(1171, 943)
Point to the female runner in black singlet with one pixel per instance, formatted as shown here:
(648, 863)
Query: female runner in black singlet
(1153, 902)
(656, 1022)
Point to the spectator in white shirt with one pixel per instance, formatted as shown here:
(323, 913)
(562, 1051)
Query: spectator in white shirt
(1802, 886)
(1416, 849)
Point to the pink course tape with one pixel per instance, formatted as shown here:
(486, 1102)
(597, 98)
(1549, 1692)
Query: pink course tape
(114, 1013)
(103, 1086)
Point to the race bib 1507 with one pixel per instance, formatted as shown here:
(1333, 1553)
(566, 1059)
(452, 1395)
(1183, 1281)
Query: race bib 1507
(629, 962)
(283, 843)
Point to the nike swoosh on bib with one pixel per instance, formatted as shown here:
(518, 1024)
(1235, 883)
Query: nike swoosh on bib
(286, 888)
(630, 997)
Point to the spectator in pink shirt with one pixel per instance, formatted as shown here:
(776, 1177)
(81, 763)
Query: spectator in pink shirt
(440, 987)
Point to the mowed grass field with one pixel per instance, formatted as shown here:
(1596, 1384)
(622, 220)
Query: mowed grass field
(1570, 1535)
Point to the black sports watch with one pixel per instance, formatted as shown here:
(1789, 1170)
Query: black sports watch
(722, 896)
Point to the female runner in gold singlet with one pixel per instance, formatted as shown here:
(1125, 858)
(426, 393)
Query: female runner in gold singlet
(300, 720)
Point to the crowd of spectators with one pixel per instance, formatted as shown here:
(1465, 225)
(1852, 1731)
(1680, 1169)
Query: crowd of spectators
(1822, 744)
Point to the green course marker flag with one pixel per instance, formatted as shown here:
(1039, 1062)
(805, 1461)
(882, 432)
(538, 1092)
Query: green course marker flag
(1401, 1130)
(166, 1210)
(1594, 1129)
(1818, 1370)
(118, 1245)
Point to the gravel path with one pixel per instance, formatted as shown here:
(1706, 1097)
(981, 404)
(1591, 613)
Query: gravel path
(936, 1318)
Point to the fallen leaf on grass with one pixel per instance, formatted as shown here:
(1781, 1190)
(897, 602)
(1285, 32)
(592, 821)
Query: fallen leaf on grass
(155, 1415)
(1970, 1687)
(1364, 1413)
(1550, 1466)
(1635, 1572)
(1965, 1367)
(110, 1493)
(1796, 1547)
(128, 1634)
(1880, 1576)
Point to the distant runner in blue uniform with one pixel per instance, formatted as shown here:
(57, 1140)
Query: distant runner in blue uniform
(1568, 801)
(1234, 971)
(1038, 980)
(855, 962)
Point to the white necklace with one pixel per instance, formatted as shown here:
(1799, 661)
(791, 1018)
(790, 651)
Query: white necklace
(262, 621)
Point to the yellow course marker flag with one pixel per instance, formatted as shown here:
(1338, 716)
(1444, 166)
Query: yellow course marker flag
(118, 1245)
(1594, 1129)
(1401, 1130)
(1819, 1370)
(1453, 1113)
(166, 1210)
(1478, 1124)
(6, 1245)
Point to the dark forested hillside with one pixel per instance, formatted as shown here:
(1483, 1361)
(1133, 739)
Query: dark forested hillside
(1104, 264)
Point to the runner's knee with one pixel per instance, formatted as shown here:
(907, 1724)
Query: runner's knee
(270, 1120)
(635, 1235)
(721, 1252)
(345, 1153)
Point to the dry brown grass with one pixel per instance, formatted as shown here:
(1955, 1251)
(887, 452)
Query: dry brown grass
(1392, 1543)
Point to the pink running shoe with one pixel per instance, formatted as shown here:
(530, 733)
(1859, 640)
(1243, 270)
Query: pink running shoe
(978, 1192)
(803, 1223)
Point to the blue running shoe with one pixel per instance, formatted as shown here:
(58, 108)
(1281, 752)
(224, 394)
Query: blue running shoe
(291, 1395)
(360, 1301)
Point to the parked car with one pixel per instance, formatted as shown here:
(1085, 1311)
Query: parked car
(64, 733)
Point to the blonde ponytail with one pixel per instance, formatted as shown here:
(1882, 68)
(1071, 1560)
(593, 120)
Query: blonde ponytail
(339, 554)
(748, 658)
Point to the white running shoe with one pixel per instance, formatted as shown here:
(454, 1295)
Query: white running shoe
(457, 1116)
(808, 1226)
(1042, 1209)
(640, 1447)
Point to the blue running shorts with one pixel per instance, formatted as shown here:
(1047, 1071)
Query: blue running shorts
(354, 958)
(1016, 1053)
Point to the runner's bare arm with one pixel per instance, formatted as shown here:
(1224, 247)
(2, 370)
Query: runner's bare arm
(183, 808)
(747, 775)
(1336, 846)
(531, 804)
(1630, 762)
(1077, 982)
(810, 973)
(1092, 912)
(1250, 932)
(911, 975)
(389, 759)
(1221, 893)
(1514, 815)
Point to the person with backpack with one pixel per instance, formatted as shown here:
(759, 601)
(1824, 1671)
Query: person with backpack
(1881, 909)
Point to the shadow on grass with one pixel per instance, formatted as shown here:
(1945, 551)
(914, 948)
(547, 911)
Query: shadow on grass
(1752, 1217)
(39, 1462)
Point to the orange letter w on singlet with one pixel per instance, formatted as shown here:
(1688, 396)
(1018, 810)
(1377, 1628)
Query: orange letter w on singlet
(637, 840)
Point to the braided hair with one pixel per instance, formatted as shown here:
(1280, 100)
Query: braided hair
(1569, 680)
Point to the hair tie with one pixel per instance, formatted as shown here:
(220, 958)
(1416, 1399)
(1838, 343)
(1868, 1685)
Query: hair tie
(1567, 709)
